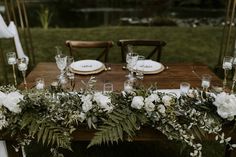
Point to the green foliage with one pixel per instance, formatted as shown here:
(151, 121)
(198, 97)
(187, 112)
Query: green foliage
(45, 131)
(45, 17)
(114, 127)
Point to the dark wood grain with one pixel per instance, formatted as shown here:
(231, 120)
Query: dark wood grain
(168, 79)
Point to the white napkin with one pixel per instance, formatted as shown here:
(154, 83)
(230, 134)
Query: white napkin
(4, 32)
(86, 65)
(148, 65)
(3, 149)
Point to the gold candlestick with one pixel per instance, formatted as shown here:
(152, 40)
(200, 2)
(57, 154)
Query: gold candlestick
(25, 83)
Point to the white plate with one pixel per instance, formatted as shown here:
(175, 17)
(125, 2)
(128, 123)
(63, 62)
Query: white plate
(86, 65)
(149, 66)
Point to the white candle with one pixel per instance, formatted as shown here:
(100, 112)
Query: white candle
(227, 65)
(205, 84)
(22, 66)
(184, 87)
(40, 85)
(12, 60)
(128, 88)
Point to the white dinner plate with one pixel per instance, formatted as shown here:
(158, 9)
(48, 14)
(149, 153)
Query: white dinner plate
(86, 65)
(149, 66)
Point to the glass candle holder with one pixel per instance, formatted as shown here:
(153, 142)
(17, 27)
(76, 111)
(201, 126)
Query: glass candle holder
(11, 60)
(206, 81)
(227, 65)
(184, 88)
(128, 86)
(23, 66)
(40, 84)
(107, 88)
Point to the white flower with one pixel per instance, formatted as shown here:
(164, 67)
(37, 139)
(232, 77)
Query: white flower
(103, 101)
(161, 109)
(149, 106)
(226, 105)
(137, 102)
(81, 116)
(153, 97)
(149, 102)
(2, 97)
(87, 103)
(11, 102)
(166, 100)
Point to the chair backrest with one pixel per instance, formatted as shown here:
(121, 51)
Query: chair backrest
(157, 44)
(105, 45)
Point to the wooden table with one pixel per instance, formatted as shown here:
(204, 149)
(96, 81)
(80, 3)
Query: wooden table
(170, 78)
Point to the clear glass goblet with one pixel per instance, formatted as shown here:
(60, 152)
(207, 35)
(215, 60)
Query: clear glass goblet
(234, 77)
(11, 60)
(23, 66)
(133, 58)
(70, 75)
(227, 65)
(61, 61)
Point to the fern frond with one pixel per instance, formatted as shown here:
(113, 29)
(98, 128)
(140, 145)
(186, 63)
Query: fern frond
(114, 127)
(45, 131)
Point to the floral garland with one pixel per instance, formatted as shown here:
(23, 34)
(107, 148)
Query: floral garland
(51, 117)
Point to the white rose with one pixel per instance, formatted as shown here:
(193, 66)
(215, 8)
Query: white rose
(161, 109)
(153, 97)
(226, 105)
(87, 103)
(11, 101)
(2, 97)
(137, 102)
(166, 100)
(103, 101)
(149, 106)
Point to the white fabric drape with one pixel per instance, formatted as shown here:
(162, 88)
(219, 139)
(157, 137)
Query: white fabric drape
(3, 149)
(11, 32)
(4, 32)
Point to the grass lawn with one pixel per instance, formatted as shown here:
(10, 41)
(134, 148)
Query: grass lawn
(184, 44)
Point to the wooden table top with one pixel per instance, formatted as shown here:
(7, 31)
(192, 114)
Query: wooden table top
(168, 79)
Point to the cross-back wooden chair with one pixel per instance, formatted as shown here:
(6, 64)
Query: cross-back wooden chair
(105, 45)
(157, 44)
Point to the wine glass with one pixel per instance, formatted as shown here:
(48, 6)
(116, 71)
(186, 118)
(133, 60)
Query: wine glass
(23, 66)
(61, 61)
(70, 75)
(206, 81)
(140, 67)
(234, 77)
(11, 60)
(227, 65)
(132, 60)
